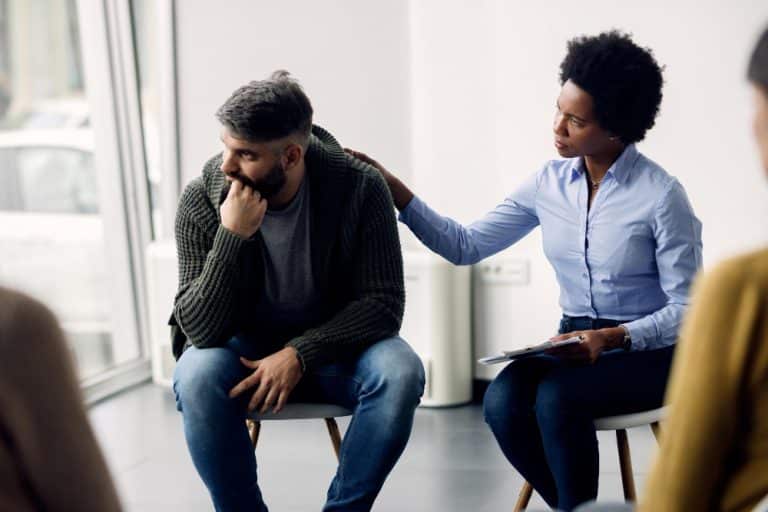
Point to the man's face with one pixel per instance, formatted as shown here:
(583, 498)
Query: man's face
(255, 164)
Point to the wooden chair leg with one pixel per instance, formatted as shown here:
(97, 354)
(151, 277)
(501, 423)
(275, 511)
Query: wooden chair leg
(333, 431)
(524, 497)
(253, 431)
(656, 428)
(625, 463)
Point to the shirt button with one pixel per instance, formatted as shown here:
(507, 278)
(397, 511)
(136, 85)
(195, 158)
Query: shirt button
(584, 275)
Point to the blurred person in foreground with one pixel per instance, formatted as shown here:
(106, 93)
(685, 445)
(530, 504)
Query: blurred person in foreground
(714, 447)
(49, 458)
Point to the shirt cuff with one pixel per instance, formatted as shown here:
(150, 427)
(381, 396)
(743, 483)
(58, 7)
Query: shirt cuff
(411, 210)
(643, 333)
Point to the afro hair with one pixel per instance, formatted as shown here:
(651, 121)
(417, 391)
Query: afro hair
(623, 79)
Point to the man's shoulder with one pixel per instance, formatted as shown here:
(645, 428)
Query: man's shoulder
(199, 189)
(363, 175)
(193, 195)
(350, 177)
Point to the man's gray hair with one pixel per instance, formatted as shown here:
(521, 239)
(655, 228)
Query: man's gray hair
(266, 110)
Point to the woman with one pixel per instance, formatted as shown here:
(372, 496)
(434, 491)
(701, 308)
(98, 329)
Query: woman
(49, 457)
(714, 449)
(624, 244)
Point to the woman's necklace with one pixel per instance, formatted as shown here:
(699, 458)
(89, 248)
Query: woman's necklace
(596, 183)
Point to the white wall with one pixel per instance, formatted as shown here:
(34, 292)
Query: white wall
(457, 97)
(352, 58)
(485, 80)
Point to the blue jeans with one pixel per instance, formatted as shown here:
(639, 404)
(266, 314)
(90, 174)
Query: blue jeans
(383, 386)
(541, 411)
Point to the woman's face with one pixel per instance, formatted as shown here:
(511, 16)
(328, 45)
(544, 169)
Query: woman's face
(760, 124)
(577, 132)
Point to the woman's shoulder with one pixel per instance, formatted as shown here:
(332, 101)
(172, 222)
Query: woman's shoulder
(651, 173)
(559, 168)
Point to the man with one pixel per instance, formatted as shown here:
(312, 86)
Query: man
(292, 289)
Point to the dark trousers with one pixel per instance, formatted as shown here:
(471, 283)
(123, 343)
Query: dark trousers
(541, 411)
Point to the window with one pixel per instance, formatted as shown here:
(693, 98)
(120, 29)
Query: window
(67, 234)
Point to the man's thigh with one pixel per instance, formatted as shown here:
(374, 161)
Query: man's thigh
(341, 383)
(617, 383)
(208, 372)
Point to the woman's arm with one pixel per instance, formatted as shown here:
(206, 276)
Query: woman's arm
(678, 257)
(510, 221)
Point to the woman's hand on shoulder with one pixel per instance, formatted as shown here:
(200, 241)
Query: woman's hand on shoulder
(388, 176)
(400, 193)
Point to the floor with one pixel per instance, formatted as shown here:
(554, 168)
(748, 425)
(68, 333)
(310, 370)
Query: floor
(451, 463)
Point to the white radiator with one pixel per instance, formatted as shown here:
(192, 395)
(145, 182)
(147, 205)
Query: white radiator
(162, 282)
(437, 325)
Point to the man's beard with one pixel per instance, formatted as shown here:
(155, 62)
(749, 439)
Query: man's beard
(269, 186)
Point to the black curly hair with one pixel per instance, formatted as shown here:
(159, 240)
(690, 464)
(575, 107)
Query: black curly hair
(623, 79)
(757, 72)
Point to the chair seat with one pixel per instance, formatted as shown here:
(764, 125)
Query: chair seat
(625, 421)
(302, 411)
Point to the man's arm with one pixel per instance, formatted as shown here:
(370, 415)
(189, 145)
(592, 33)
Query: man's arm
(376, 310)
(208, 271)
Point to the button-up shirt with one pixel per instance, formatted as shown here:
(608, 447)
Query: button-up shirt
(630, 257)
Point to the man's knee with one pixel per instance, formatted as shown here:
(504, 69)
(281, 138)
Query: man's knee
(394, 369)
(204, 375)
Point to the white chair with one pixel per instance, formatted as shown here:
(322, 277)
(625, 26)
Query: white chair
(302, 411)
(620, 424)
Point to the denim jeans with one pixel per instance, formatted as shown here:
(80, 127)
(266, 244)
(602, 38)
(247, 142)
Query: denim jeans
(383, 386)
(541, 411)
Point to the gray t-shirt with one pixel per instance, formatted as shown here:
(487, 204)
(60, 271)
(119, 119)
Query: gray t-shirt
(289, 296)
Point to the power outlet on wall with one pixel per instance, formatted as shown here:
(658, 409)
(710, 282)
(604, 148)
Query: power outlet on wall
(512, 272)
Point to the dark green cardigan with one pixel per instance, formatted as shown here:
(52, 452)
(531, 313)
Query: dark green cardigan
(356, 261)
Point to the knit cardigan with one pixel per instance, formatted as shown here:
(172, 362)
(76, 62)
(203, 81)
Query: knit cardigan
(355, 252)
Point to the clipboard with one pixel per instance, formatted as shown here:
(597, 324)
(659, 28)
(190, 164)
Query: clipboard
(509, 355)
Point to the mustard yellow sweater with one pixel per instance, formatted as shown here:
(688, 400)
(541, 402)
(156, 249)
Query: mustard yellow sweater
(714, 447)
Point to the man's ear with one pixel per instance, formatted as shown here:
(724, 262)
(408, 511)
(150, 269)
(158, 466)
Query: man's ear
(292, 155)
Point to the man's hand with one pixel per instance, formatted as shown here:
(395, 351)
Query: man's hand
(242, 212)
(592, 344)
(274, 377)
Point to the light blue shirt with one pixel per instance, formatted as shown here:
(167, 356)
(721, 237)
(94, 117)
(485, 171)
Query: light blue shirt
(631, 257)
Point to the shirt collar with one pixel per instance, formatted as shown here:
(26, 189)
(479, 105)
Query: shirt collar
(619, 169)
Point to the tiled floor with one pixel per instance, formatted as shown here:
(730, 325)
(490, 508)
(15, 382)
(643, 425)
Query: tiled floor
(452, 462)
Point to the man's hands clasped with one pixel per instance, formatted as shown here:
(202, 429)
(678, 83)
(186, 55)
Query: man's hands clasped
(272, 380)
